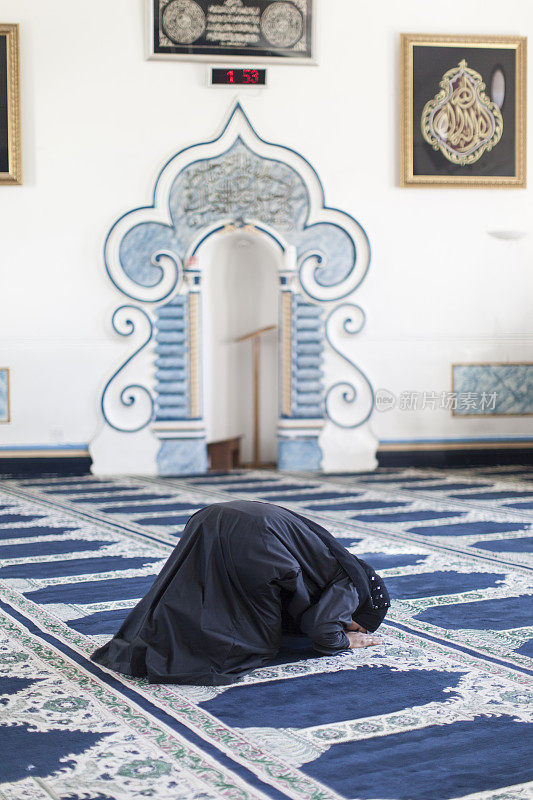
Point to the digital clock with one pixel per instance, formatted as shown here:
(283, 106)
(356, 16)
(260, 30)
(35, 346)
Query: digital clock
(236, 76)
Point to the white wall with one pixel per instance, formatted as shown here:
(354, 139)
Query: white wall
(98, 121)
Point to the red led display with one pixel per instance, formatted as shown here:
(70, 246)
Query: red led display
(221, 76)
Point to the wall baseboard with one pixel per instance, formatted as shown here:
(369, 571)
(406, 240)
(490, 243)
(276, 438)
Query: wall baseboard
(72, 465)
(454, 453)
(405, 454)
(19, 461)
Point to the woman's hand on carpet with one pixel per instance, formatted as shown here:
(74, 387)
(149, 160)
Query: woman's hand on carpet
(361, 639)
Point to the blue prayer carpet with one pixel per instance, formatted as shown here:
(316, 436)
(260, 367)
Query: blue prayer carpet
(440, 710)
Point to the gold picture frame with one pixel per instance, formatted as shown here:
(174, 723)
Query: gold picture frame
(10, 138)
(437, 147)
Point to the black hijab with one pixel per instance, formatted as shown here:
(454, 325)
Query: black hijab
(374, 599)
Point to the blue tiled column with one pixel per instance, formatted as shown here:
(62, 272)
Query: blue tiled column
(307, 351)
(298, 447)
(179, 455)
(178, 423)
(172, 361)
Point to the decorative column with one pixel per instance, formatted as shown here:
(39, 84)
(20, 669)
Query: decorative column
(178, 413)
(301, 347)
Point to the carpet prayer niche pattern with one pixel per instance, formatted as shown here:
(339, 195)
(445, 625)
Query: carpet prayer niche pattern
(439, 710)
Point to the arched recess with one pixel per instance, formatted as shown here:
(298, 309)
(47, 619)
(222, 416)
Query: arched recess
(152, 416)
(240, 294)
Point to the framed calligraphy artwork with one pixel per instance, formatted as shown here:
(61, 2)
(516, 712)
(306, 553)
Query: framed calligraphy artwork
(236, 30)
(463, 111)
(10, 146)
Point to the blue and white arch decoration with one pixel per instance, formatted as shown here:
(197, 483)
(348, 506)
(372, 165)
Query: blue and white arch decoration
(237, 180)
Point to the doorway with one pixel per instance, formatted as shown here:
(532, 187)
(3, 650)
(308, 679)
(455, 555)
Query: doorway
(240, 295)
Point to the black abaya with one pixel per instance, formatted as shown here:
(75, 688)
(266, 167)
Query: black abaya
(241, 574)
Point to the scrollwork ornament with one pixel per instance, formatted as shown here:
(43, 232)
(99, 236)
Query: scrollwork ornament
(309, 266)
(334, 256)
(164, 259)
(171, 269)
(126, 321)
(349, 404)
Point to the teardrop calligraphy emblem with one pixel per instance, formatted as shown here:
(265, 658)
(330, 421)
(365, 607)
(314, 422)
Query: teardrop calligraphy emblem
(461, 120)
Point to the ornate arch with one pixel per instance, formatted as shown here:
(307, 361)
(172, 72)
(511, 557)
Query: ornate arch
(236, 180)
